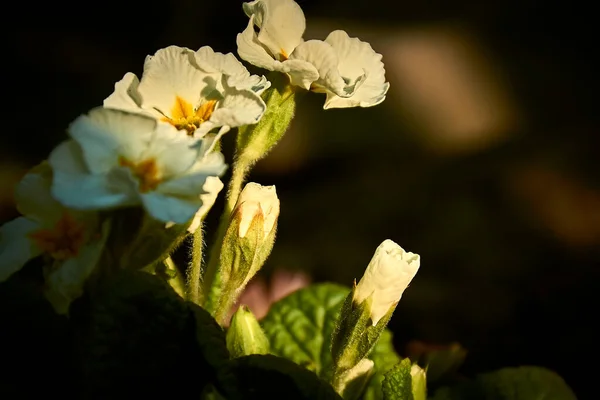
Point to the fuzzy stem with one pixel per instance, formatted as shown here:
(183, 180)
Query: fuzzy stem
(195, 292)
(241, 167)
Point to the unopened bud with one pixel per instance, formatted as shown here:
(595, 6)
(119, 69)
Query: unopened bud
(245, 336)
(419, 382)
(247, 243)
(351, 383)
(253, 201)
(369, 307)
(387, 276)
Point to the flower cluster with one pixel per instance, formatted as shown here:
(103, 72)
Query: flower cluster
(153, 147)
(346, 69)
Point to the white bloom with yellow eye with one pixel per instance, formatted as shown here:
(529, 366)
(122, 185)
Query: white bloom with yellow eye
(348, 70)
(386, 278)
(71, 241)
(193, 91)
(117, 159)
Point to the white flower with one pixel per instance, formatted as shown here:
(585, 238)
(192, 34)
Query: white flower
(361, 69)
(118, 159)
(281, 24)
(256, 199)
(195, 91)
(387, 276)
(72, 241)
(346, 69)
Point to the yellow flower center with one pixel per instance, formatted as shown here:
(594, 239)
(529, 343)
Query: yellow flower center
(283, 55)
(62, 241)
(183, 115)
(146, 172)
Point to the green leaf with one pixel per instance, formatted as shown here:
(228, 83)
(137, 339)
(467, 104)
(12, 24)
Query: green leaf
(525, 383)
(270, 377)
(137, 337)
(210, 337)
(385, 358)
(441, 361)
(520, 383)
(299, 327)
(397, 384)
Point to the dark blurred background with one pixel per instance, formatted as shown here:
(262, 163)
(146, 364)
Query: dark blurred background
(483, 159)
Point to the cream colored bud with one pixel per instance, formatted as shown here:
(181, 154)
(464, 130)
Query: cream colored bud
(256, 199)
(353, 381)
(387, 276)
(419, 382)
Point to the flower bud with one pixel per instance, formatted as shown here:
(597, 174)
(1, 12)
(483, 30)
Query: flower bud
(419, 382)
(369, 307)
(255, 215)
(351, 383)
(254, 200)
(245, 336)
(247, 243)
(387, 276)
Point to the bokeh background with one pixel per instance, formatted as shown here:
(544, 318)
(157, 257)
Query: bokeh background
(483, 159)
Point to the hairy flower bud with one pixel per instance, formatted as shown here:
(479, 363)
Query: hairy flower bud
(369, 307)
(245, 336)
(247, 243)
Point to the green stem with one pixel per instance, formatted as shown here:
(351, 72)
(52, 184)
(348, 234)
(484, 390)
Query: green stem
(177, 283)
(194, 273)
(238, 176)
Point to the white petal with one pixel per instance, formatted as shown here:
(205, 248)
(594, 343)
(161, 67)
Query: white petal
(211, 140)
(171, 209)
(302, 73)
(238, 107)
(65, 283)
(251, 50)
(174, 151)
(281, 24)
(215, 62)
(75, 187)
(355, 58)
(324, 58)
(126, 95)
(15, 247)
(237, 75)
(104, 135)
(191, 185)
(212, 188)
(172, 72)
(33, 197)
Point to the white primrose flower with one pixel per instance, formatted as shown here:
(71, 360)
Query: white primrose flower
(71, 241)
(195, 91)
(361, 69)
(387, 276)
(346, 69)
(119, 159)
